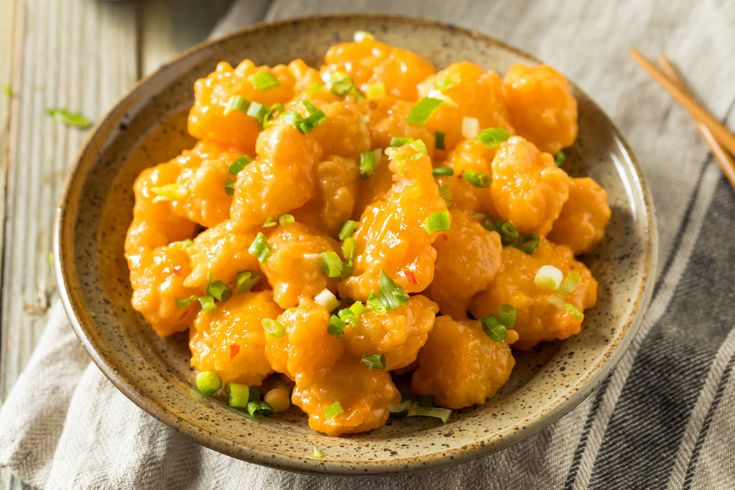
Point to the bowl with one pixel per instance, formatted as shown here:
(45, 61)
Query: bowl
(149, 126)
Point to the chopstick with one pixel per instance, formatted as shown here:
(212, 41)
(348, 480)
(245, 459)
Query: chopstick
(723, 159)
(719, 131)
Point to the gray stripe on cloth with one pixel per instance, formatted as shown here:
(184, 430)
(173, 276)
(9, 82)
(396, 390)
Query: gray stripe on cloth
(673, 361)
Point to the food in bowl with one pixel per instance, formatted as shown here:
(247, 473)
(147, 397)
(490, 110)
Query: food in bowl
(341, 231)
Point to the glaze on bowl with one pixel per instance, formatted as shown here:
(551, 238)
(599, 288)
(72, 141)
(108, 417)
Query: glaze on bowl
(148, 126)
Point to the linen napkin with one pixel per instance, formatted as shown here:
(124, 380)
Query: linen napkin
(664, 418)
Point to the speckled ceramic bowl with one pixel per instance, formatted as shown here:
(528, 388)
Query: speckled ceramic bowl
(148, 126)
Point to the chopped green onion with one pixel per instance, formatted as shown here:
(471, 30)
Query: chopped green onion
(401, 407)
(237, 103)
(69, 118)
(286, 219)
(420, 147)
(399, 141)
(331, 263)
(507, 315)
(349, 248)
(273, 112)
(207, 302)
(446, 193)
(470, 127)
(336, 326)
(422, 111)
(391, 294)
(208, 382)
(360, 36)
(352, 314)
(373, 361)
(306, 124)
(508, 232)
(317, 454)
(183, 303)
(445, 84)
(439, 137)
(230, 187)
(368, 163)
(560, 158)
(373, 303)
(548, 277)
(343, 87)
(245, 280)
(333, 410)
(237, 395)
(169, 192)
(576, 312)
(327, 299)
(417, 410)
(492, 137)
(375, 91)
(478, 179)
(346, 269)
(530, 243)
(264, 81)
(316, 87)
(570, 283)
(259, 408)
(487, 223)
(348, 229)
(438, 221)
(493, 328)
(272, 327)
(269, 222)
(239, 164)
(219, 291)
(259, 248)
(258, 112)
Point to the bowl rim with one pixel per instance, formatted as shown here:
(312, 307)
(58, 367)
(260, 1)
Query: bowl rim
(578, 391)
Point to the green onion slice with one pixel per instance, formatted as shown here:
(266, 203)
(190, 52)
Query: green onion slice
(331, 263)
(259, 248)
(239, 164)
(548, 277)
(446, 193)
(352, 314)
(374, 304)
(530, 243)
(493, 328)
(391, 294)
(286, 219)
(576, 312)
(442, 171)
(67, 117)
(478, 179)
(349, 248)
(245, 280)
(439, 137)
(492, 137)
(258, 112)
(348, 229)
(264, 81)
(507, 315)
(237, 103)
(183, 303)
(438, 221)
(508, 232)
(373, 361)
(417, 410)
(368, 163)
(273, 327)
(422, 111)
(207, 302)
(333, 410)
(208, 382)
(219, 291)
(445, 84)
(327, 299)
(259, 408)
(336, 326)
(401, 407)
(343, 86)
(230, 187)
(237, 395)
(560, 158)
(570, 283)
(399, 141)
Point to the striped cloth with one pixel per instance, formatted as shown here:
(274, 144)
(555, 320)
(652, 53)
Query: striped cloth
(665, 418)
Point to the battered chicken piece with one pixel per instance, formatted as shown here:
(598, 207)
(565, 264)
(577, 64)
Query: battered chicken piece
(527, 188)
(581, 224)
(460, 365)
(542, 107)
(387, 119)
(230, 339)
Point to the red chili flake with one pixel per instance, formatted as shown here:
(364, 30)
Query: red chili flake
(234, 350)
(410, 276)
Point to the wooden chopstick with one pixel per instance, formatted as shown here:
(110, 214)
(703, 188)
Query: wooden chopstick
(719, 131)
(723, 159)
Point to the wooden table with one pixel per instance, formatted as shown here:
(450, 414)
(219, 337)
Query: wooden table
(82, 55)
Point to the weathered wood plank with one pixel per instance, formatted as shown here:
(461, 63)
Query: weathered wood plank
(67, 53)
